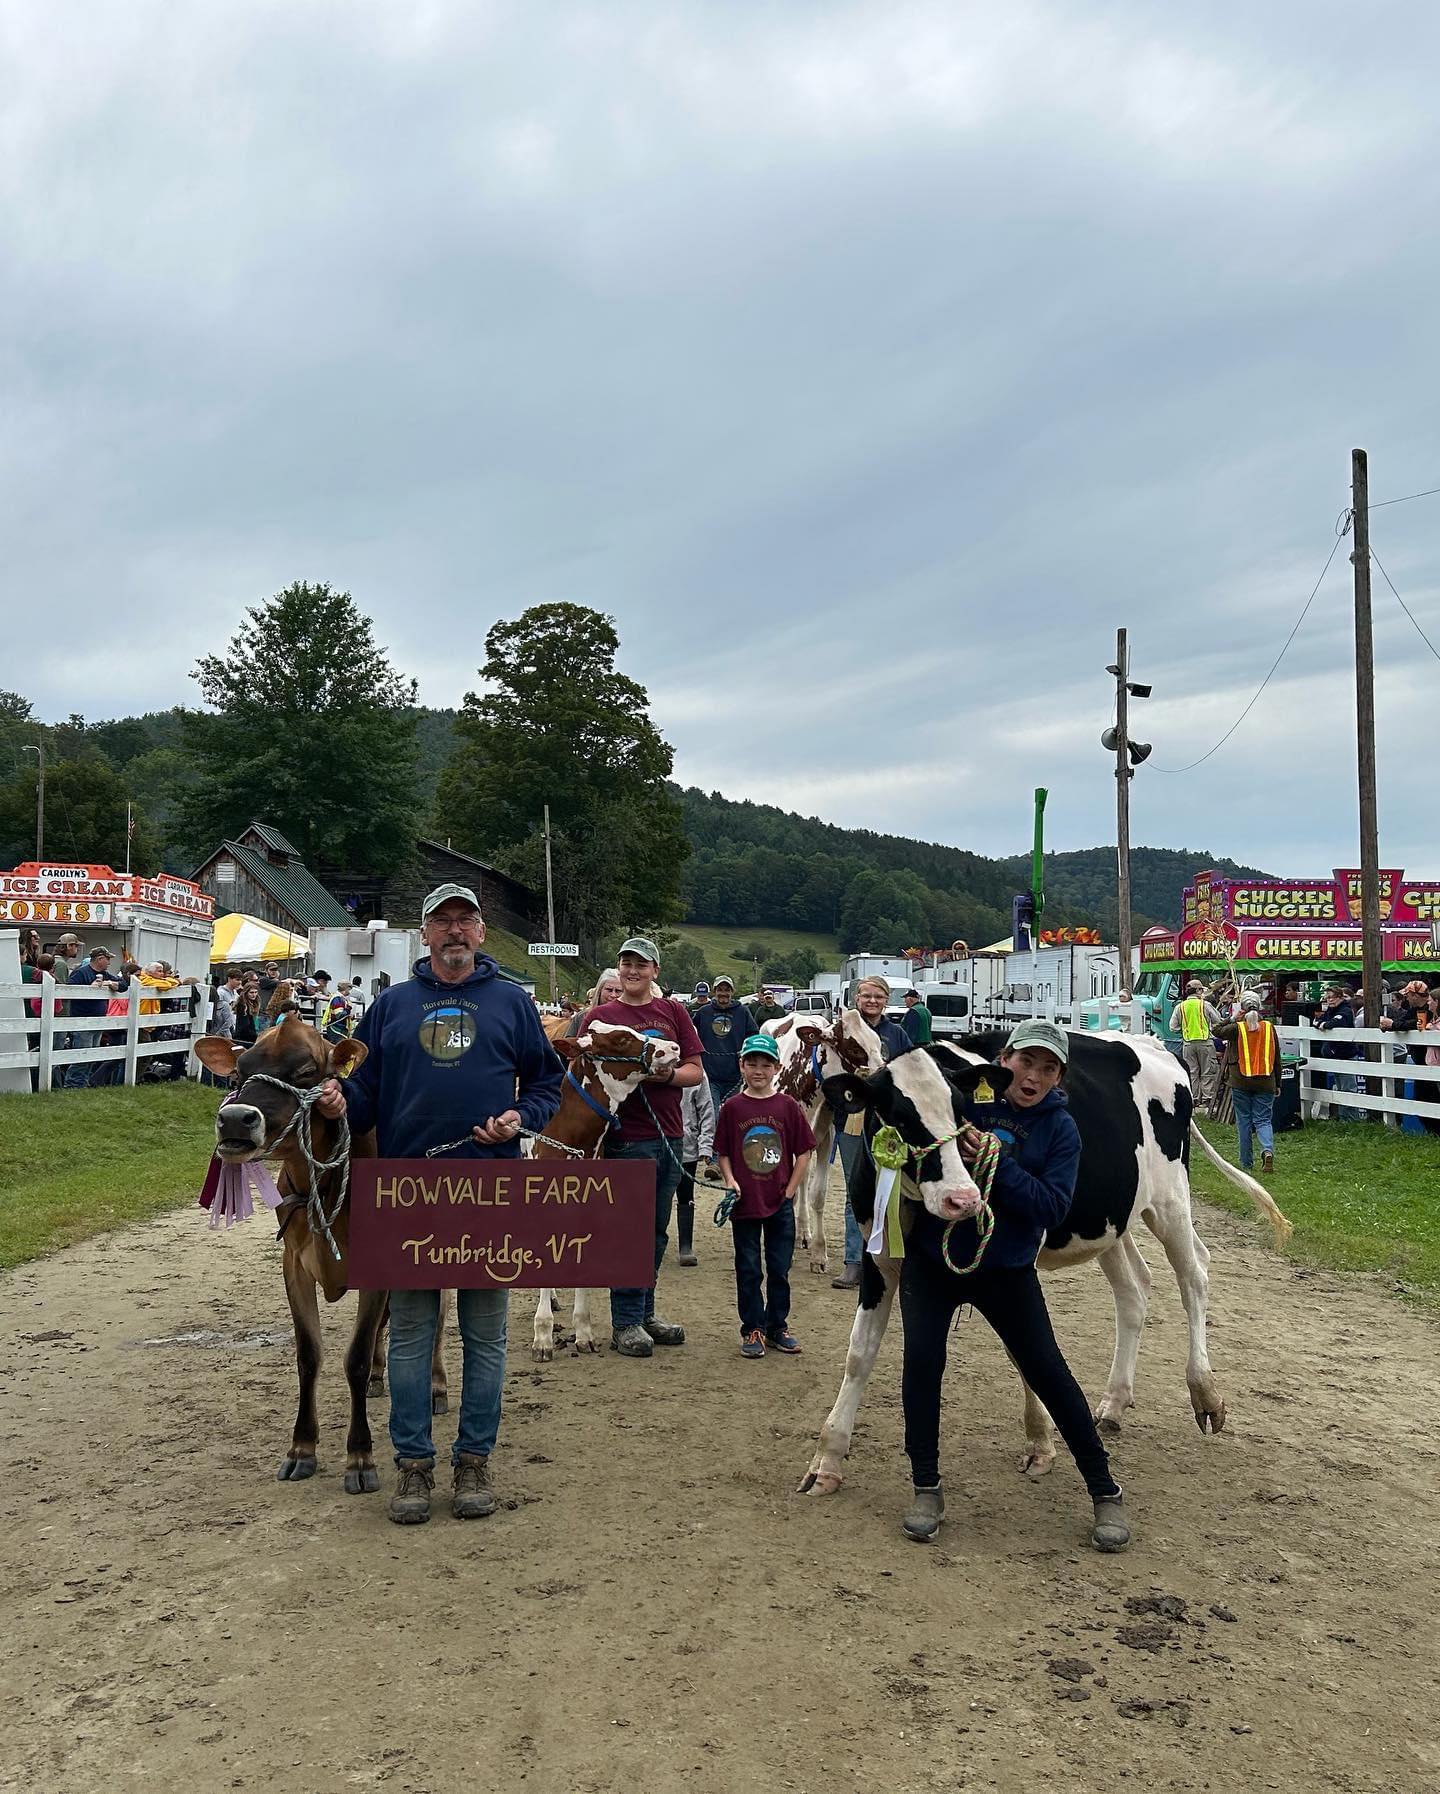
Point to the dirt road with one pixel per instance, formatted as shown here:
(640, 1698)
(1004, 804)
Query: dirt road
(655, 1609)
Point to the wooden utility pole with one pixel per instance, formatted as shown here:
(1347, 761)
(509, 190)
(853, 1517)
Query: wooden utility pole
(31, 748)
(550, 900)
(1123, 776)
(1370, 943)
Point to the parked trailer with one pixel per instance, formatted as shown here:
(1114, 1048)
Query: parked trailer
(375, 955)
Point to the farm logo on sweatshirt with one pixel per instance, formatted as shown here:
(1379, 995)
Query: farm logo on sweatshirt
(447, 1033)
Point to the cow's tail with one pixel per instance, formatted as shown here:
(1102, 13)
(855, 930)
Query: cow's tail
(1256, 1191)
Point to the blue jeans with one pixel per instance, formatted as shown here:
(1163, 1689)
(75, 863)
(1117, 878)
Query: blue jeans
(852, 1156)
(414, 1316)
(77, 1077)
(1253, 1109)
(720, 1088)
(633, 1307)
(766, 1309)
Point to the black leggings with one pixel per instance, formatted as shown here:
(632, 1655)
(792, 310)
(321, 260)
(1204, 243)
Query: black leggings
(1012, 1302)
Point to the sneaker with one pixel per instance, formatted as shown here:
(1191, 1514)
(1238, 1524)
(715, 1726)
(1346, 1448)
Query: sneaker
(474, 1498)
(849, 1278)
(631, 1342)
(784, 1341)
(665, 1333)
(410, 1504)
(927, 1510)
(1267, 1161)
(1110, 1531)
(752, 1345)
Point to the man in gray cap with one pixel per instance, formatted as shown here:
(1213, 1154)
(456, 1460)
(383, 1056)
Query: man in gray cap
(651, 1127)
(723, 1025)
(455, 1048)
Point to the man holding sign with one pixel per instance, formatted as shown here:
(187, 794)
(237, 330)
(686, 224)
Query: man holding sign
(455, 1048)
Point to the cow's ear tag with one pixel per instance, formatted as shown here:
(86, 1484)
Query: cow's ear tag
(984, 1092)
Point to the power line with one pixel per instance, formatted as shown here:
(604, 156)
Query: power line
(1339, 537)
(1404, 606)
(1377, 504)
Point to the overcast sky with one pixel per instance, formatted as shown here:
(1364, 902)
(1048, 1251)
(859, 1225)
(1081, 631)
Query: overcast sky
(869, 363)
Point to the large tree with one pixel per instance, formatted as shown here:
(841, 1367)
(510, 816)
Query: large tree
(309, 728)
(557, 724)
(84, 817)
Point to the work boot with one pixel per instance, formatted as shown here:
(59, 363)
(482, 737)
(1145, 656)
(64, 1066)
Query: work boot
(410, 1504)
(1267, 1161)
(927, 1510)
(631, 1342)
(664, 1332)
(1110, 1531)
(849, 1278)
(473, 1499)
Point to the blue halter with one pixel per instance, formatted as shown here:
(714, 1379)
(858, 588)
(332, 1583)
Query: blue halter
(605, 1115)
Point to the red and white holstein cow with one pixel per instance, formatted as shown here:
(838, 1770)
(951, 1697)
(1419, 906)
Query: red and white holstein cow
(603, 1066)
(1130, 1098)
(810, 1052)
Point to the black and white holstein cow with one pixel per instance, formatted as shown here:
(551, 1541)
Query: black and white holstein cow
(1130, 1098)
(810, 1052)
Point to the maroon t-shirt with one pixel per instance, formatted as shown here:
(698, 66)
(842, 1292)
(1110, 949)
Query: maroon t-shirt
(671, 1021)
(762, 1136)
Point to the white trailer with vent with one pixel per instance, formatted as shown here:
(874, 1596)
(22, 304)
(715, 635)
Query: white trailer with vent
(375, 955)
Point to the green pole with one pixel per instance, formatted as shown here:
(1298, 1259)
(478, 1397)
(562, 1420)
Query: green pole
(1037, 857)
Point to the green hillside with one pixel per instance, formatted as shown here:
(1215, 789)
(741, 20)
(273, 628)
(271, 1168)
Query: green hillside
(720, 944)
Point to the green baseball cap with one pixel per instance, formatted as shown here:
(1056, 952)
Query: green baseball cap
(763, 1044)
(448, 894)
(1039, 1033)
(643, 948)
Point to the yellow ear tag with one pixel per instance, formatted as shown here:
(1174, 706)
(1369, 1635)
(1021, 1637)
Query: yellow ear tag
(983, 1092)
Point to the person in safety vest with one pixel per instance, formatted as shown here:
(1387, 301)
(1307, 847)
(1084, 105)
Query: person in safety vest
(1252, 1066)
(1194, 1020)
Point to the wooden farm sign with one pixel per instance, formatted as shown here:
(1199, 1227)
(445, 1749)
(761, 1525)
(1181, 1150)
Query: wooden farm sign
(501, 1224)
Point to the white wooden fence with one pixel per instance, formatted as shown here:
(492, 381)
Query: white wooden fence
(1386, 1077)
(74, 1009)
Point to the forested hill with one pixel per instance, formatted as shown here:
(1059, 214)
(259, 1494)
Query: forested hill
(754, 864)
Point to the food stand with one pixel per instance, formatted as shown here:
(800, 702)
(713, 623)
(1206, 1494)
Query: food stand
(148, 918)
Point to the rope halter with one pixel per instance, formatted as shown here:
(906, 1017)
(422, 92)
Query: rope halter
(892, 1152)
(301, 1124)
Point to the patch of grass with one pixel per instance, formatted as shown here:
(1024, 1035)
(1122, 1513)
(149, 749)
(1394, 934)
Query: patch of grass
(511, 950)
(78, 1162)
(1362, 1197)
(717, 943)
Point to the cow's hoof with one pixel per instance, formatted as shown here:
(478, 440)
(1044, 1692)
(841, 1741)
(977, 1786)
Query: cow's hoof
(819, 1482)
(1036, 1464)
(295, 1470)
(819, 1266)
(542, 1354)
(1106, 1423)
(1213, 1421)
(362, 1482)
(440, 1402)
(376, 1386)
(584, 1346)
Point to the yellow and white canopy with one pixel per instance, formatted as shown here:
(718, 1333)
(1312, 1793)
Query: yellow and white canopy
(248, 938)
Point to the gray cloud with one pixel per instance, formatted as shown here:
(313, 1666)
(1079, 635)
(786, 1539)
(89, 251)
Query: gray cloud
(869, 363)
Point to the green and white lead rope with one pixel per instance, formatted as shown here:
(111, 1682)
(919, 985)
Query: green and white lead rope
(892, 1155)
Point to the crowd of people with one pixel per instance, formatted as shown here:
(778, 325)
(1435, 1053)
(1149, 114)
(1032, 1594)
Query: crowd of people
(243, 1002)
(1234, 1043)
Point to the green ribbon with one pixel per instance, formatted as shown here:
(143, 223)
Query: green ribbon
(889, 1150)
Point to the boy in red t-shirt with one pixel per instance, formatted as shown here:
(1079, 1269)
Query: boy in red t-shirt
(763, 1143)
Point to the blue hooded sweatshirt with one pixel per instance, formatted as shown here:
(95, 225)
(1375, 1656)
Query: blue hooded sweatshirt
(444, 1058)
(1034, 1184)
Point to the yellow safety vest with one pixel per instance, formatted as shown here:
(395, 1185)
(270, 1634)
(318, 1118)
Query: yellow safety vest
(1256, 1052)
(1193, 1025)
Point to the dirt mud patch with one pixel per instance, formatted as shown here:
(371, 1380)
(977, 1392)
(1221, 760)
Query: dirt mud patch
(653, 1608)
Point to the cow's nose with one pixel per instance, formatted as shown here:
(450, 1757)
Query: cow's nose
(239, 1124)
